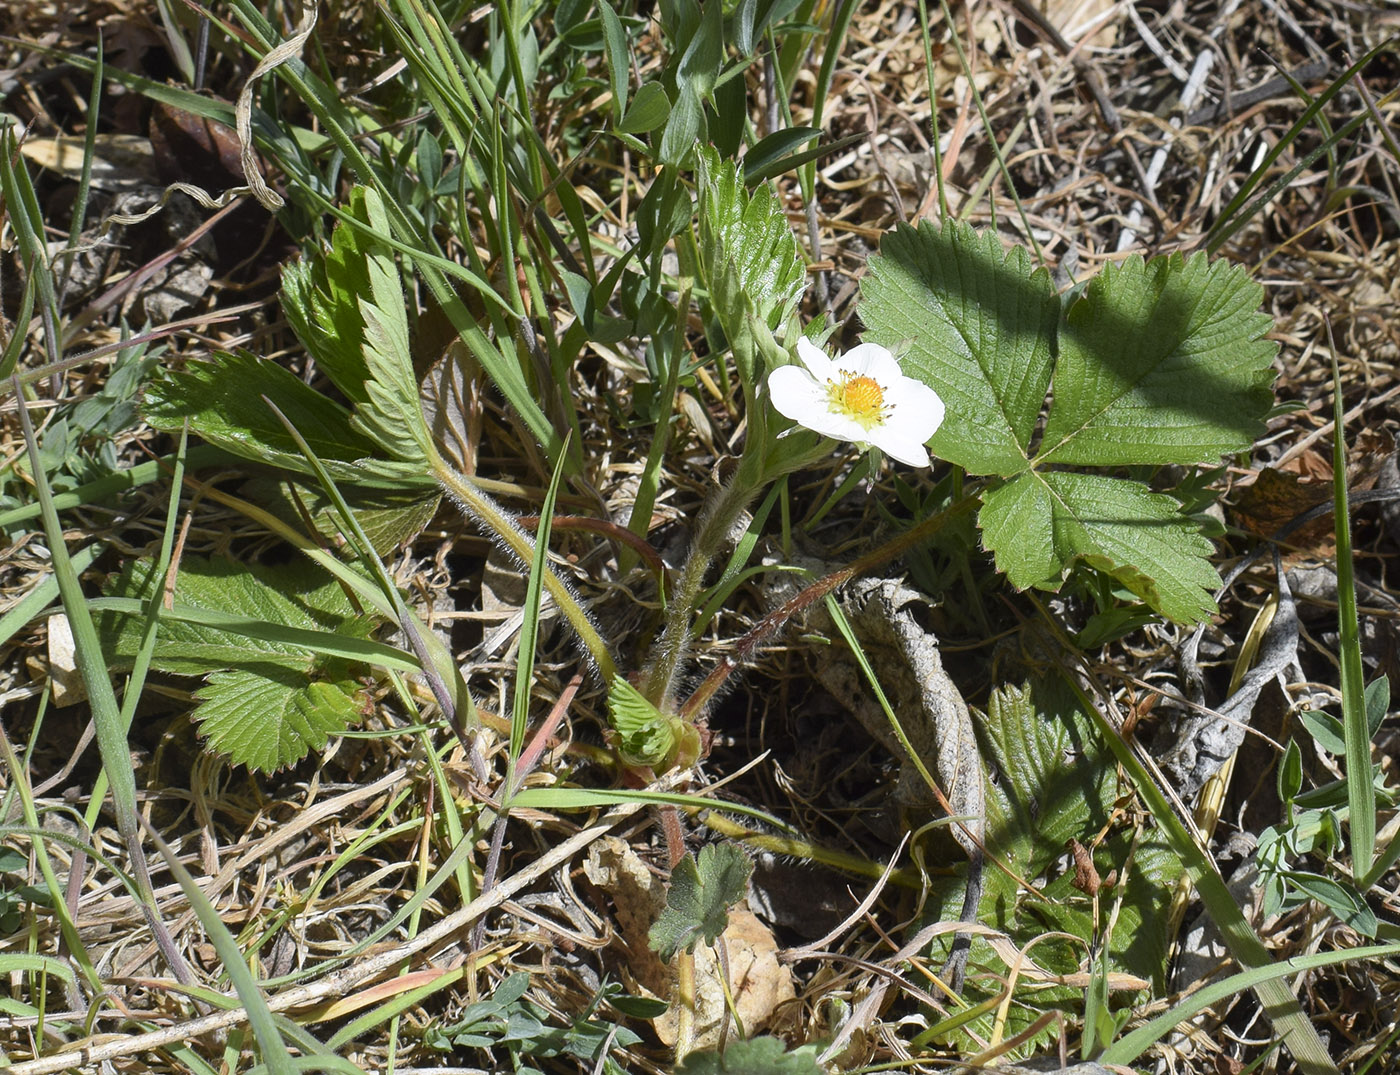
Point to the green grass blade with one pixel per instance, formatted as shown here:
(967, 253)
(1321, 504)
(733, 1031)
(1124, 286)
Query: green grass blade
(1361, 790)
(1131, 1046)
(106, 716)
(19, 783)
(1236, 213)
(530, 627)
(270, 1043)
(151, 610)
(1282, 1007)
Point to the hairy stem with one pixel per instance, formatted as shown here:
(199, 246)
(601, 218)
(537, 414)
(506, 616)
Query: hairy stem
(775, 620)
(670, 651)
(503, 528)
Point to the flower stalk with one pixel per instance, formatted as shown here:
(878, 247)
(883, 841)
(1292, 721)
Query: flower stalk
(499, 524)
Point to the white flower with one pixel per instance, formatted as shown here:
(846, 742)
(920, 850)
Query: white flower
(860, 397)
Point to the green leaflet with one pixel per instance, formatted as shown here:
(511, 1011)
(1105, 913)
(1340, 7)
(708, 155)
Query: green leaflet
(698, 901)
(267, 702)
(1161, 362)
(348, 308)
(271, 718)
(978, 324)
(1155, 363)
(1040, 522)
(223, 400)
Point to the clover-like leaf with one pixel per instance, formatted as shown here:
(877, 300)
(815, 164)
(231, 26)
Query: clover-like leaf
(698, 901)
(1158, 362)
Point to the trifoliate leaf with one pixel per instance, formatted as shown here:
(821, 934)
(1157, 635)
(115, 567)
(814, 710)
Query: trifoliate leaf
(698, 901)
(1040, 523)
(978, 324)
(1161, 362)
(756, 1056)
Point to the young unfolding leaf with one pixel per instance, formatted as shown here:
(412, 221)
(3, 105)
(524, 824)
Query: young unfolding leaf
(348, 308)
(697, 904)
(748, 257)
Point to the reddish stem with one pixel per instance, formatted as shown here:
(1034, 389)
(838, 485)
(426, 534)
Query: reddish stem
(775, 620)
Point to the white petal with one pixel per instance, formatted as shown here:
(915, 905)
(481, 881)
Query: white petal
(873, 361)
(897, 445)
(795, 392)
(820, 418)
(917, 409)
(798, 395)
(815, 359)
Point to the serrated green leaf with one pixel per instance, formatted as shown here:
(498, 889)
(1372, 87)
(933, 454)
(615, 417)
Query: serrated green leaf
(223, 399)
(1018, 526)
(297, 596)
(1158, 362)
(1050, 780)
(1161, 362)
(305, 696)
(645, 735)
(348, 309)
(391, 413)
(270, 718)
(389, 517)
(1116, 526)
(978, 323)
(755, 1056)
(698, 901)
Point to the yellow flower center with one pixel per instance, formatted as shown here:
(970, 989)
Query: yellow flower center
(858, 397)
